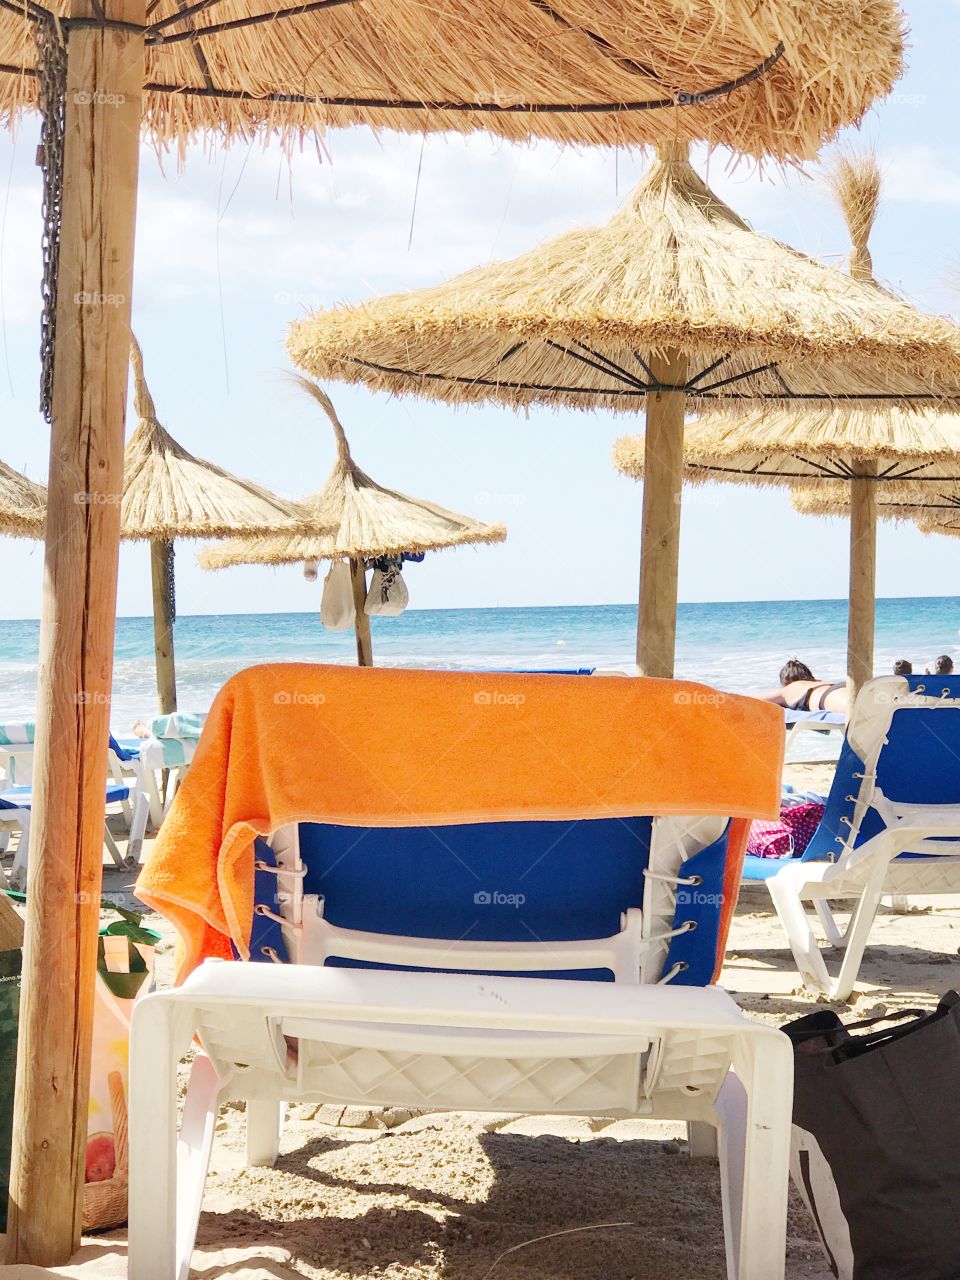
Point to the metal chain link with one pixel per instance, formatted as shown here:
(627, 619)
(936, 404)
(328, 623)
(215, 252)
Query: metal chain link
(169, 583)
(52, 97)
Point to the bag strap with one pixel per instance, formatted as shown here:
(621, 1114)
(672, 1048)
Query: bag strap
(861, 1044)
(897, 1016)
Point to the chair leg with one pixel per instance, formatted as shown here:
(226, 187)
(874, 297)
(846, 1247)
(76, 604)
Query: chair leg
(858, 931)
(264, 1123)
(148, 783)
(194, 1143)
(828, 921)
(138, 829)
(702, 1140)
(731, 1107)
(152, 1250)
(18, 872)
(755, 1119)
(112, 847)
(900, 903)
(785, 892)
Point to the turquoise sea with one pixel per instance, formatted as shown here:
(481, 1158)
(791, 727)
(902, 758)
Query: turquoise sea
(736, 646)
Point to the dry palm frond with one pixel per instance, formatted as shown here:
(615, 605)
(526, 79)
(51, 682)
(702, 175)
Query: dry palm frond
(855, 180)
(574, 321)
(381, 62)
(364, 519)
(23, 505)
(169, 494)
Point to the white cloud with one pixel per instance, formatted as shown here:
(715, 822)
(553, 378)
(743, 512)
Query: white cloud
(922, 174)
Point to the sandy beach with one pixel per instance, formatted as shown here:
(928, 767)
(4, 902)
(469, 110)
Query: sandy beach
(360, 1194)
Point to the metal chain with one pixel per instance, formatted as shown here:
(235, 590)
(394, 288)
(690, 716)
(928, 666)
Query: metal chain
(52, 97)
(169, 583)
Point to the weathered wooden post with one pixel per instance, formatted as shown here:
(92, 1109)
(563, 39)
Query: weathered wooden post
(660, 548)
(104, 84)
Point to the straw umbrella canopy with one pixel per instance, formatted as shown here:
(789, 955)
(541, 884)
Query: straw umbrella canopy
(933, 508)
(103, 71)
(359, 520)
(854, 457)
(676, 304)
(170, 494)
(23, 505)
(773, 79)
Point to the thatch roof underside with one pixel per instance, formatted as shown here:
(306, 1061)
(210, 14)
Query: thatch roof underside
(937, 505)
(170, 494)
(365, 519)
(573, 322)
(23, 505)
(789, 74)
(820, 450)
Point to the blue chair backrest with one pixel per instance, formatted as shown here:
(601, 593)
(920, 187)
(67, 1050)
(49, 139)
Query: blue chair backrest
(918, 764)
(546, 882)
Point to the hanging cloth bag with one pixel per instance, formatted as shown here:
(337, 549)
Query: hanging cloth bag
(876, 1141)
(336, 603)
(388, 595)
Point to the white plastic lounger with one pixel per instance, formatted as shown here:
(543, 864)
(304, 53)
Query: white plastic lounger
(891, 826)
(818, 723)
(169, 749)
(638, 899)
(16, 798)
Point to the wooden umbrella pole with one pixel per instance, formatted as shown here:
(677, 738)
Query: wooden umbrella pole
(161, 571)
(358, 579)
(863, 579)
(660, 547)
(105, 74)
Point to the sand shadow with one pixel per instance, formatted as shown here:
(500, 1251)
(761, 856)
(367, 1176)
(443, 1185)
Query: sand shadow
(666, 1207)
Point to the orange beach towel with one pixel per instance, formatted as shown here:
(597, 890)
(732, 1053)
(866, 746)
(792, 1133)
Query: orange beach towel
(396, 748)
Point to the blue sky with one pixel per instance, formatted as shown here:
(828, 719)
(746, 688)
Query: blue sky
(234, 245)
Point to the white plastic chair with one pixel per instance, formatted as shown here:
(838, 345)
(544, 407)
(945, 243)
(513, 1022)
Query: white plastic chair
(891, 826)
(16, 782)
(278, 1033)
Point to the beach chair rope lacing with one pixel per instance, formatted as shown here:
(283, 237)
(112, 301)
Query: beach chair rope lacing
(261, 909)
(669, 879)
(279, 871)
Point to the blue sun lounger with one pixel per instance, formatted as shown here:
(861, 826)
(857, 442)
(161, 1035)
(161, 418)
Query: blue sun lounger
(891, 825)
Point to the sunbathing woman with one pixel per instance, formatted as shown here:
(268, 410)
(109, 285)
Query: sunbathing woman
(800, 690)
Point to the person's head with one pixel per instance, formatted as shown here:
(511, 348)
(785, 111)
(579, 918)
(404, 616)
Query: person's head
(794, 669)
(903, 667)
(943, 665)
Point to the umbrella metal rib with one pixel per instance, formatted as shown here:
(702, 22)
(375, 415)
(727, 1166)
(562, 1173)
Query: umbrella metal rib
(636, 388)
(373, 104)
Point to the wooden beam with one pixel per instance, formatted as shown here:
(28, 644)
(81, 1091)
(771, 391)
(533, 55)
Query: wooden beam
(660, 546)
(163, 627)
(863, 581)
(358, 580)
(103, 104)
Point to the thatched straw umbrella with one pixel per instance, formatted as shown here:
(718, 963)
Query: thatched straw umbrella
(170, 494)
(363, 521)
(859, 455)
(23, 505)
(675, 303)
(102, 72)
(769, 80)
(932, 507)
